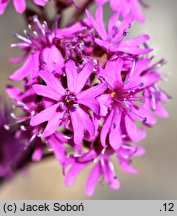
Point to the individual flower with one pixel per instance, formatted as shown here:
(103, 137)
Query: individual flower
(76, 42)
(158, 96)
(40, 52)
(11, 148)
(103, 165)
(20, 5)
(125, 7)
(113, 40)
(71, 103)
(125, 92)
(27, 101)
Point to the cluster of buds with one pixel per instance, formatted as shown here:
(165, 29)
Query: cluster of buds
(85, 88)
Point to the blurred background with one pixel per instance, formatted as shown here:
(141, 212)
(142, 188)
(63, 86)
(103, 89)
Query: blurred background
(158, 168)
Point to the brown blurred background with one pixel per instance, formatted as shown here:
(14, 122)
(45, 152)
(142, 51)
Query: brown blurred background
(158, 168)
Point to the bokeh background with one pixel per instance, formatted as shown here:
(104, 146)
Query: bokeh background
(158, 168)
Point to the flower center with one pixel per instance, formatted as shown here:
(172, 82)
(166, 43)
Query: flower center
(128, 99)
(69, 99)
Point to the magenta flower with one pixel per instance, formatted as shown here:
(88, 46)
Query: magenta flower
(125, 7)
(103, 165)
(20, 5)
(40, 52)
(125, 91)
(158, 96)
(27, 101)
(113, 39)
(75, 41)
(71, 103)
(11, 148)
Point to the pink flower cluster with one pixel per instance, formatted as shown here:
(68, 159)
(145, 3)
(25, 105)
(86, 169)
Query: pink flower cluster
(85, 88)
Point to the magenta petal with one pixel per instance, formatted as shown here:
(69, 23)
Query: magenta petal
(106, 128)
(44, 115)
(115, 138)
(149, 79)
(73, 172)
(136, 10)
(116, 4)
(92, 92)
(133, 50)
(46, 91)
(30, 67)
(113, 22)
(88, 96)
(69, 31)
(53, 124)
(50, 78)
(93, 179)
(109, 174)
(135, 134)
(24, 70)
(38, 151)
(81, 122)
(140, 66)
(37, 155)
(58, 148)
(144, 111)
(72, 76)
(88, 156)
(125, 25)
(113, 73)
(139, 151)
(136, 41)
(3, 6)
(100, 22)
(99, 19)
(126, 167)
(40, 2)
(83, 76)
(19, 5)
(18, 59)
(163, 97)
(90, 103)
(104, 101)
(53, 59)
(13, 92)
(101, 2)
(160, 111)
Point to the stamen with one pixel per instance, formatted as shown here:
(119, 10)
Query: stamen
(35, 33)
(6, 127)
(23, 128)
(32, 138)
(144, 119)
(104, 150)
(75, 105)
(114, 125)
(29, 26)
(13, 115)
(102, 77)
(25, 107)
(22, 38)
(102, 162)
